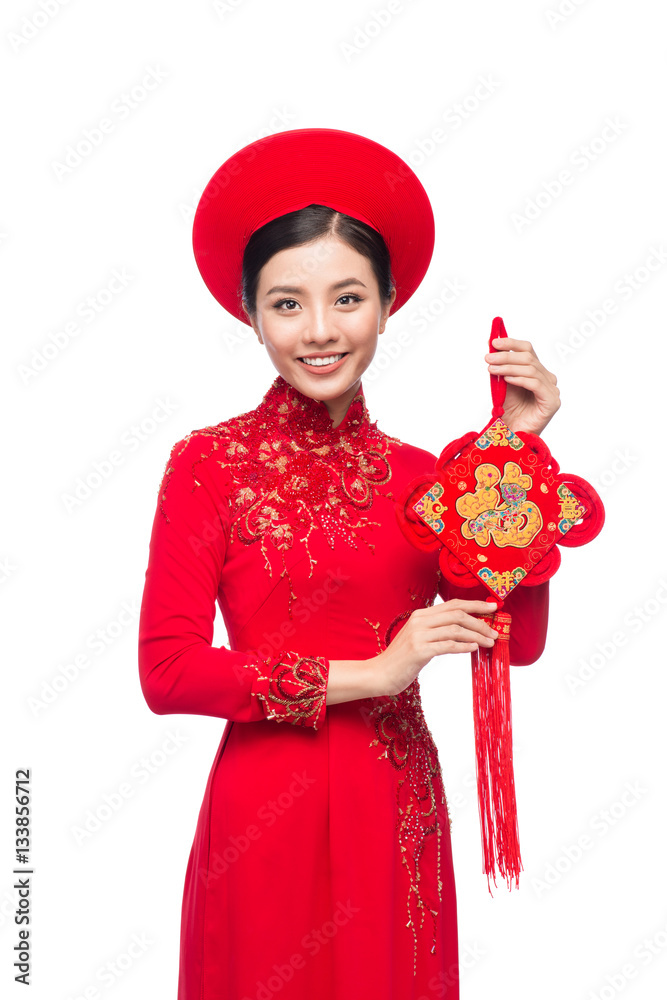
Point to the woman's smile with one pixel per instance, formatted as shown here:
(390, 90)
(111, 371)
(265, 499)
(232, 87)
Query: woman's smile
(322, 364)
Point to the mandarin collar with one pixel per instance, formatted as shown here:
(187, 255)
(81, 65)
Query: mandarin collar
(307, 420)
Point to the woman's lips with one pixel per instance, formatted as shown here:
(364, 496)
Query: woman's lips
(323, 369)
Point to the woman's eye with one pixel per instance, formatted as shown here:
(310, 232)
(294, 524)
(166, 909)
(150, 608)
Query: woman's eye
(349, 296)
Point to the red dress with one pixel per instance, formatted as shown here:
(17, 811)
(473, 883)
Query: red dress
(321, 865)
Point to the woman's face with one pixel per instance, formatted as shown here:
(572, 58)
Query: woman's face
(320, 300)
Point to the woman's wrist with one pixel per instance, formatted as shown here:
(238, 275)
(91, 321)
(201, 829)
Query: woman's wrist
(351, 680)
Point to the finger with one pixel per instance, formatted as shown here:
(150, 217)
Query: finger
(457, 633)
(539, 378)
(523, 365)
(457, 619)
(536, 385)
(461, 610)
(502, 357)
(519, 368)
(465, 605)
(512, 344)
(463, 613)
(515, 368)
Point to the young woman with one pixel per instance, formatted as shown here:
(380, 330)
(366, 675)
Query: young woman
(321, 865)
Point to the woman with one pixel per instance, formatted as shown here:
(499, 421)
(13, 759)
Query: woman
(321, 864)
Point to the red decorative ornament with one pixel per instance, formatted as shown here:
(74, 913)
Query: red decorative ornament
(499, 507)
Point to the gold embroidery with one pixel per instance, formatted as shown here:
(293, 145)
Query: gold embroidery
(290, 472)
(295, 689)
(401, 728)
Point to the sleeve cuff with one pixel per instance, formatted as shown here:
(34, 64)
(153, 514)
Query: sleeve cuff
(293, 688)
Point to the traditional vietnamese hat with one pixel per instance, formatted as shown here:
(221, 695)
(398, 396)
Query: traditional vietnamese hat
(287, 171)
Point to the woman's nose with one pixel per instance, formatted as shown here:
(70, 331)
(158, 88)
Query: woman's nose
(320, 329)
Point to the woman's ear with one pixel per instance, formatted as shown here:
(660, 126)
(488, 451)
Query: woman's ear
(253, 323)
(385, 310)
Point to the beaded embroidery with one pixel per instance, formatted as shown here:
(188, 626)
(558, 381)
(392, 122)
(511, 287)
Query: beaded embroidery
(291, 472)
(401, 728)
(295, 689)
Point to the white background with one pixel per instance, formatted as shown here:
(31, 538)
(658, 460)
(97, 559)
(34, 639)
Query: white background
(222, 77)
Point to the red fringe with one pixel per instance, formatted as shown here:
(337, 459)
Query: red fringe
(493, 744)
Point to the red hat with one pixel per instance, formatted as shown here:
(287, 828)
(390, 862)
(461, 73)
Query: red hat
(287, 171)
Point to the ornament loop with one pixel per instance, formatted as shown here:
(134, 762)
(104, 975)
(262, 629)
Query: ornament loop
(592, 521)
(498, 384)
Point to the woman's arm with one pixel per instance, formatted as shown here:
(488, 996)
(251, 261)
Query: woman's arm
(350, 680)
(179, 669)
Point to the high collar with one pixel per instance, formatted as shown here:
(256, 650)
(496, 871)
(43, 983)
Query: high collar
(308, 421)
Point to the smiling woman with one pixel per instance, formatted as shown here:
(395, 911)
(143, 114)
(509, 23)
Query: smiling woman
(321, 864)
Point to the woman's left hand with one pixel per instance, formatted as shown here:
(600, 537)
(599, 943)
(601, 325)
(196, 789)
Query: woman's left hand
(532, 396)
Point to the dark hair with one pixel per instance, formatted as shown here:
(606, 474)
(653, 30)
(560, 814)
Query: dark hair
(306, 226)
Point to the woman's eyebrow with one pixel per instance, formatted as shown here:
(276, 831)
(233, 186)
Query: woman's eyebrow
(294, 290)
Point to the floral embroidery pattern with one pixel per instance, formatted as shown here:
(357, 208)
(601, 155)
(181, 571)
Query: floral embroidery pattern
(291, 472)
(295, 689)
(400, 727)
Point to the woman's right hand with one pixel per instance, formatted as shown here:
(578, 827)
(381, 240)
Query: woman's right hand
(446, 627)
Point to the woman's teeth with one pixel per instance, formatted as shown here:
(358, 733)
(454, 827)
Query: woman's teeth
(323, 361)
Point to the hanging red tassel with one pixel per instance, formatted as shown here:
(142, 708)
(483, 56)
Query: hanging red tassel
(493, 745)
(499, 507)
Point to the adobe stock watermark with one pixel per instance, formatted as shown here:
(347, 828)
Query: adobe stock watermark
(311, 943)
(562, 12)
(420, 319)
(280, 120)
(7, 569)
(269, 813)
(579, 160)
(97, 642)
(130, 441)
(114, 969)
(224, 7)
(377, 21)
(600, 825)
(7, 907)
(302, 610)
(439, 985)
(633, 622)
(33, 24)
(615, 468)
(643, 954)
(113, 801)
(94, 136)
(623, 290)
(453, 119)
(466, 790)
(88, 309)
(465, 793)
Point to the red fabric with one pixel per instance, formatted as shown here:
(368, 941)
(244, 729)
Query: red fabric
(498, 383)
(324, 830)
(286, 171)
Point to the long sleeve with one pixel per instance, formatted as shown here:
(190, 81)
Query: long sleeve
(529, 608)
(180, 670)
